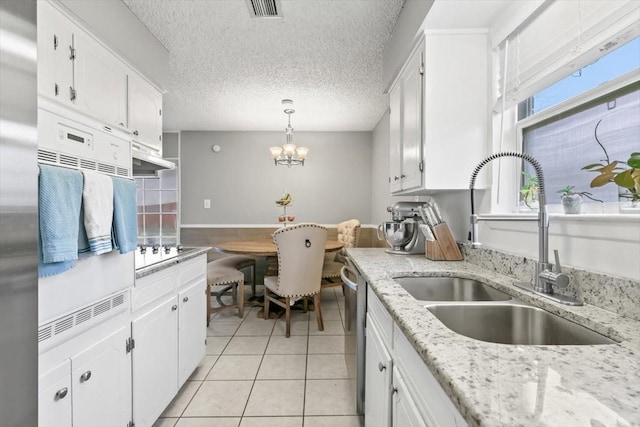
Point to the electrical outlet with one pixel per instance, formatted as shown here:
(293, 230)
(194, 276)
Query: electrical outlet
(207, 203)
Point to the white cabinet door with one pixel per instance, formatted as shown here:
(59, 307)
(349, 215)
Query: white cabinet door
(395, 139)
(191, 328)
(100, 82)
(378, 371)
(101, 381)
(155, 360)
(145, 113)
(55, 42)
(404, 410)
(411, 176)
(54, 396)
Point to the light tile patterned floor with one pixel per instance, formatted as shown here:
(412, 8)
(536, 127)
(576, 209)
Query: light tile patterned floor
(254, 376)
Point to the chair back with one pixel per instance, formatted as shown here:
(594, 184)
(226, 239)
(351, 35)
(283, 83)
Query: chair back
(301, 250)
(349, 234)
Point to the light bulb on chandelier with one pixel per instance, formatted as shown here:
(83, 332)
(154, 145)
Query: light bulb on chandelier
(289, 154)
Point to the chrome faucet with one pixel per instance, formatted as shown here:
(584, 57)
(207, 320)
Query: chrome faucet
(544, 277)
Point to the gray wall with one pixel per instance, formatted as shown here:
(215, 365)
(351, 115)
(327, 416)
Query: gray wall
(170, 145)
(242, 182)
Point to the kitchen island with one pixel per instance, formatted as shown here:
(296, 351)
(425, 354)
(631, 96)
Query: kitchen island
(508, 385)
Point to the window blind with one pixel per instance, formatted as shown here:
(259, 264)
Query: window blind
(559, 39)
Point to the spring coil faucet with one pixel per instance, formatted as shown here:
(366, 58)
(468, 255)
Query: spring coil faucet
(544, 277)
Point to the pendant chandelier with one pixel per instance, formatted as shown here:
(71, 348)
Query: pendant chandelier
(289, 154)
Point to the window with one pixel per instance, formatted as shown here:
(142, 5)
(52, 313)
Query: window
(587, 124)
(567, 142)
(158, 208)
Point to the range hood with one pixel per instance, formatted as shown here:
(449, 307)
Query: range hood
(147, 164)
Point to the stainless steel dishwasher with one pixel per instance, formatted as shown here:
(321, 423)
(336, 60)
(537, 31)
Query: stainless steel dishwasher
(355, 300)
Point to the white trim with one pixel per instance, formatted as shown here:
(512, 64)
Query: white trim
(261, 225)
(578, 100)
(560, 217)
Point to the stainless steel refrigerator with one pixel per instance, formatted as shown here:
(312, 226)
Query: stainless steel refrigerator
(18, 215)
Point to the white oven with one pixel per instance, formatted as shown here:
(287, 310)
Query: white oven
(78, 142)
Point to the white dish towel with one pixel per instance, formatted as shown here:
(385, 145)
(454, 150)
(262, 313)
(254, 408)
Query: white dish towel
(97, 198)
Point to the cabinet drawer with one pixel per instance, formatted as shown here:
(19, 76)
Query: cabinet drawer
(383, 319)
(192, 270)
(153, 286)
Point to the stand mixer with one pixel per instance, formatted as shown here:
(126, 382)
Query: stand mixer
(403, 233)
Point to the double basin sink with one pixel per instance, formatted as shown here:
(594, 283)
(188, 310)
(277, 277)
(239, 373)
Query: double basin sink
(476, 310)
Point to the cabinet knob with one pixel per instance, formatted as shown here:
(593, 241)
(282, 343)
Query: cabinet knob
(403, 176)
(174, 307)
(381, 367)
(185, 299)
(85, 377)
(61, 394)
(394, 390)
(395, 178)
(136, 133)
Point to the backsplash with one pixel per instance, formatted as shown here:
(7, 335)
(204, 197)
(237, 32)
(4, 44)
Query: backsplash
(616, 294)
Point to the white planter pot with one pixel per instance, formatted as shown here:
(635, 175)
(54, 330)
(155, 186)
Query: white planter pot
(572, 203)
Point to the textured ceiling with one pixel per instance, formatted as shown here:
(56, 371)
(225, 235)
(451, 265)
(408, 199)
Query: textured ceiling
(229, 71)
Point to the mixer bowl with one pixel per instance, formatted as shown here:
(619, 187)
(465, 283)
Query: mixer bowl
(398, 234)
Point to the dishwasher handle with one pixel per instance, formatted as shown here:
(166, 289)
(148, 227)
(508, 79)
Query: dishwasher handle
(343, 275)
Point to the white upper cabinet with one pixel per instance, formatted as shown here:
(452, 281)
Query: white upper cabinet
(77, 71)
(406, 125)
(439, 113)
(145, 114)
(100, 82)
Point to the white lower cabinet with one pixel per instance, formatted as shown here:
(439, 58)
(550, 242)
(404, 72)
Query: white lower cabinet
(155, 360)
(378, 370)
(92, 388)
(54, 396)
(192, 335)
(404, 409)
(400, 390)
(168, 328)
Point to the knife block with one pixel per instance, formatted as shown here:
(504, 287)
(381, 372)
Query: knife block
(444, 248)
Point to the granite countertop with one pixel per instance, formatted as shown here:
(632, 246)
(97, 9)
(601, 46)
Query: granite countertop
(150, 264)
(515, 385)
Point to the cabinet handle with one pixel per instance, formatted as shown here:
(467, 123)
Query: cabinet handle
(381, 367)
(55, 89)
(394, 390)
(403, 176)
(72, 93)
(121, 124)
(395, 178)
(61, 394)
(185, 299)
(174, 308)
(135, 132)
(85, 377)
(72, 53)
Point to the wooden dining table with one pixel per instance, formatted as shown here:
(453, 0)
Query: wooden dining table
(265, 248)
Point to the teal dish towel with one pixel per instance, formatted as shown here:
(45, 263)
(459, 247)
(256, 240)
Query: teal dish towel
(125, 217)
(59, 202)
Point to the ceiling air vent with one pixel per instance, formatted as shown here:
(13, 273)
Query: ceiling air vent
(265, 8)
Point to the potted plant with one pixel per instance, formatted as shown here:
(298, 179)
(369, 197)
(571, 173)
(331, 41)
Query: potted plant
(572, 200)
(627, 178)
(529, 191)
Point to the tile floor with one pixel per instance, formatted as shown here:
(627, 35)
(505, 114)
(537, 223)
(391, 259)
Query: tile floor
(253, 375)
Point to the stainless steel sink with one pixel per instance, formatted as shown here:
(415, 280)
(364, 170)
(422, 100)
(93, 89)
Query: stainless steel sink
(450, 289)
(514, 324)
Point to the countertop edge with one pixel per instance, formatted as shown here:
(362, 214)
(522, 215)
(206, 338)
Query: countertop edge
(154, 268)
